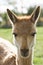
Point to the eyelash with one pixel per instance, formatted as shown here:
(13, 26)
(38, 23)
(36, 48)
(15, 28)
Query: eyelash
(15, 34)
(33, 34)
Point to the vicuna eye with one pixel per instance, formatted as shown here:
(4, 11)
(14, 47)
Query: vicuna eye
(15, 34)
(33, 34)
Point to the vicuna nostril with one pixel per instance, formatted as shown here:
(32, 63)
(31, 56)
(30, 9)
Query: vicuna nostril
(24, 52)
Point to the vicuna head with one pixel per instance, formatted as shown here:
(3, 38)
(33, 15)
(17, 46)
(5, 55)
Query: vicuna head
(24, 31)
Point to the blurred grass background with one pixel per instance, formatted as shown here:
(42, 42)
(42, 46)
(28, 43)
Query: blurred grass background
(6, 34)
(38, 52)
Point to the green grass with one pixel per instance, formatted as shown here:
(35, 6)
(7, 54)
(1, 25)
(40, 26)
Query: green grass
(6, 33)
(38, 52)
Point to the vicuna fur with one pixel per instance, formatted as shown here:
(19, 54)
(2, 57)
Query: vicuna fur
(24, 33)
(7, 53)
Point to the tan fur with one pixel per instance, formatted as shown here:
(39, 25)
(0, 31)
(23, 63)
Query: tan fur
(24, 30)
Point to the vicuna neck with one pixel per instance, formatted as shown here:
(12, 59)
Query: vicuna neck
(25, 61)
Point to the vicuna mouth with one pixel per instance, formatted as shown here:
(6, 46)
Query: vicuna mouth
(24, 52)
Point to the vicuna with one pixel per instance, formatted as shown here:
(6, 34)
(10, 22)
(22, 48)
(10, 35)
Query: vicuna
(24, 32)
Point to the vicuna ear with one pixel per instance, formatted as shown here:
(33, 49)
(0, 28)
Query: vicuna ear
(12, 16)
(35, 15)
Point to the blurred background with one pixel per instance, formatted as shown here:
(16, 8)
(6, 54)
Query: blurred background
(22, 7)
